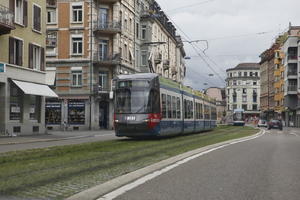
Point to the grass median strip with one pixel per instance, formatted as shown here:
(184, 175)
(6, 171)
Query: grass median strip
(58, 172)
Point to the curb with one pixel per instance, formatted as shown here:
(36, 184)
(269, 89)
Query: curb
(109, 186)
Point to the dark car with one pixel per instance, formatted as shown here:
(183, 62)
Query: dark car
(275, 124)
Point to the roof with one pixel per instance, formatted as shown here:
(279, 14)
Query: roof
(245, 66)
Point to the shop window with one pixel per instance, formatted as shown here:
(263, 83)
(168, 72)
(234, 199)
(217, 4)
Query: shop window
(35, 108)
(76, 112)
(53, 113)
(15, 109)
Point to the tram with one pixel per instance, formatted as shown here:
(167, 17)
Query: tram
(238, 117)
(149, 105)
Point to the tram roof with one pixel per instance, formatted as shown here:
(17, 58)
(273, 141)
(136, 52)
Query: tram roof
(138, 76)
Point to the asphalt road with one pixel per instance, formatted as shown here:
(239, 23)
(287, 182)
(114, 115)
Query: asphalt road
(266, 168)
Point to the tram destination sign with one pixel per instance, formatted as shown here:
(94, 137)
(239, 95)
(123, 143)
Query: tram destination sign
(2, 67)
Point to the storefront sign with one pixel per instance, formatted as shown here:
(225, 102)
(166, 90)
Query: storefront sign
(53, 105)
(2, 67)
(76, 104)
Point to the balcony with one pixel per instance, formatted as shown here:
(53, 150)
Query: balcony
(51, 3)
(277, 73)
(107, 60)
(109, 1)
(108, 27)
(277, 61)
(6, 20)
(292, 88)
(98, 89)
(292, 73)
(292, 57)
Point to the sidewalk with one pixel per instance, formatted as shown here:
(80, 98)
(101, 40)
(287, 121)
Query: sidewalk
(52, 136)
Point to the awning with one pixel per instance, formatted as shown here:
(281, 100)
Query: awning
(50, 78)
(35, 89)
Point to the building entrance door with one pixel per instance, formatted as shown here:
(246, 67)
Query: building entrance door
(103, 114)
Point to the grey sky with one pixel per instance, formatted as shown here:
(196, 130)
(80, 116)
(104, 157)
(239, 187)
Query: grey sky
(237, 31)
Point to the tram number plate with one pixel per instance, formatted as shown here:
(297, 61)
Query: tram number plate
(130, 118)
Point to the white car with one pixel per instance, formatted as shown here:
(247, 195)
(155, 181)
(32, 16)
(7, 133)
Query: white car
(262, 123)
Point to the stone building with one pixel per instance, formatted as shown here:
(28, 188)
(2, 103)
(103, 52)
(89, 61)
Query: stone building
(243, 89)
(22, 65)
(89, 43)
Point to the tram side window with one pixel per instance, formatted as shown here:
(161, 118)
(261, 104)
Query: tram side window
(169, 106)
(201, 111)
(185, 109)
(173, 107)
(164, 105)
(192, 110)
(197, 111)
(178, 108)
(213, 113)
(154, 101)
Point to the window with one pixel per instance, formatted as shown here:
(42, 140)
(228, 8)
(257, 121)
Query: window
(254, 83)
(144, 58)
(21, 12)
(169, 106)
(36, 18)
(77, 78)
(234, 98)
(251, 73)
(178, 108)
(234, 82)
(103, 81)
(51, 16)
(254, 107)
(15, 103)
(164, 105)
(144, 28)
(256, 74)
(35, 107)
(254, 98)
(137, 32)
(36, 57)
(244, 90)
(234, 106)
(244, 106)
(77, 13)
(103, 49)
(174, 107)
(240, 74)
(245, 74)
(77, 45)
(15, 51)
(244, 98)
(125, 24)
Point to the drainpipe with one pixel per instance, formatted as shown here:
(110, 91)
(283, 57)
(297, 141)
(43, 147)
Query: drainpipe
(91, 62)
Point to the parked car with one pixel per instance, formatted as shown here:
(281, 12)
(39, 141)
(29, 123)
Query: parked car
(262, 123)
(275, 124)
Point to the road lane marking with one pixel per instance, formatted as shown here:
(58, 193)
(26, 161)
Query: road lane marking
(295, 134)
(118, 192)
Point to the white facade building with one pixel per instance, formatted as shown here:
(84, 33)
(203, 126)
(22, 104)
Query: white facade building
(243, 89)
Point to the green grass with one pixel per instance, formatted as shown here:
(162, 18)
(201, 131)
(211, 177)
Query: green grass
(58, 172)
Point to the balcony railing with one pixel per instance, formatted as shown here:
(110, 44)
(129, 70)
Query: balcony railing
(51, 3)
(292, 73)
(6, 20)
(98, 89)
(292, 57)
(108, 27)
(292, 88)
(109, 59)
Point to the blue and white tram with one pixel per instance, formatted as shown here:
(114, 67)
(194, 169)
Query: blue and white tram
(149, 105)
(238, 117)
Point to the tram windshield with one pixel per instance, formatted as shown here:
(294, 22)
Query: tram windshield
(238, 116)
(133, 101)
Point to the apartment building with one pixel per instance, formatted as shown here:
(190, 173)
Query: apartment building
(88, 44)
(267, 89)
(243, 89)
(291, 76)
(162, 50)
(22, 67)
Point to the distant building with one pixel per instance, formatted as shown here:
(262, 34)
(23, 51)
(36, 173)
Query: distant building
(22, 67)
(243, 89)
(220, 96)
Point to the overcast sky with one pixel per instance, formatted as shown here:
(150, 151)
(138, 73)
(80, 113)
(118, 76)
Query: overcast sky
(237, 31)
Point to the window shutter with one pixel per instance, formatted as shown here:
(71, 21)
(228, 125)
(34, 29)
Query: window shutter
(38, 19)
(42, 59)
(12, 6)
(30, 58)
(25, 13)
(11, 50)
(20, 61)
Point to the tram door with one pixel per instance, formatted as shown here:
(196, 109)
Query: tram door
(103, 114)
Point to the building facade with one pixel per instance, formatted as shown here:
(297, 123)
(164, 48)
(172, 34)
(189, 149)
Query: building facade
(91, 42)
(243, 89)
(22, 67)
(219, 95)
